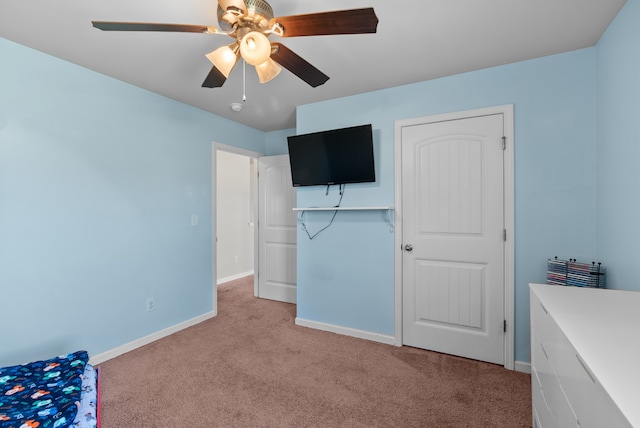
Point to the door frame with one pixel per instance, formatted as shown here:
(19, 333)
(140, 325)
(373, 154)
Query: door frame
(214, 213)
(509, 208)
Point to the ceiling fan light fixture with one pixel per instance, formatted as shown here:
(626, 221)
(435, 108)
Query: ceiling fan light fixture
(267, 70)
(250, 23)
(228, 19)
(233, 5)
(224, 58)
(255, 48)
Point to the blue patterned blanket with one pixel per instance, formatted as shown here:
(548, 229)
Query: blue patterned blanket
(42, 394)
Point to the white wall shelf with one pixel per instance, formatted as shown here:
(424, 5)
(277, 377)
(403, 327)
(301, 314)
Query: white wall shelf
(342, 208)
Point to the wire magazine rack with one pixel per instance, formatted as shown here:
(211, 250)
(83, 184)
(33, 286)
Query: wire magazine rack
(572, 273)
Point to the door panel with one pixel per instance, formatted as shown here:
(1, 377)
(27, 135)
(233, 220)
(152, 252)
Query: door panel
(277, 230)
(448, 182)
(452, 202)
(446, 292)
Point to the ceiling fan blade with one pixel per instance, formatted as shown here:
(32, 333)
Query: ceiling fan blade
(150, 26)
(297, 65)
(354, 21)
(215, 79)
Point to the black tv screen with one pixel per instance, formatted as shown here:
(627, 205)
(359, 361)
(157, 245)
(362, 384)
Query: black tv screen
(337, 156)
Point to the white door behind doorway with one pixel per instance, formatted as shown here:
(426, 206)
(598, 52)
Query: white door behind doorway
(453, 235)
(277, 230)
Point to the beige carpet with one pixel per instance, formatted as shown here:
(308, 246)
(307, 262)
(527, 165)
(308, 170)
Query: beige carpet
(252, 367)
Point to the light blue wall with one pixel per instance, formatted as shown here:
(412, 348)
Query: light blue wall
(618, 214)
(98, 183)
(99, 179)
(345, 276)
(275, 142)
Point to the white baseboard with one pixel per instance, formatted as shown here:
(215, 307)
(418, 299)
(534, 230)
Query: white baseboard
(233, 277)
(521, 366)
(127, 347)
(346, 331)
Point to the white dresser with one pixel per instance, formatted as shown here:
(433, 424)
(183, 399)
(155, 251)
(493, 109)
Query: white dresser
(585, 357)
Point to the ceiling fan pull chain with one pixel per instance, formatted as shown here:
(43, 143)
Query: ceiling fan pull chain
(244, 81)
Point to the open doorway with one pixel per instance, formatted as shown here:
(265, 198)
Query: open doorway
(251, 237)
(235, 216)
(235, 199)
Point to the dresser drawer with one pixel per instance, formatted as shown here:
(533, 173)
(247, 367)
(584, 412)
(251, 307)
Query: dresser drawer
(551, 393)
(546, 328)
(579, 384)
(541, 413)
(540, 363)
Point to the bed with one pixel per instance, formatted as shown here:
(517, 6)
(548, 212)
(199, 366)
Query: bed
(55, 393)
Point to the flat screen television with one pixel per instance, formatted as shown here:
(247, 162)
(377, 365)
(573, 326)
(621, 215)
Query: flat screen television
(337, 156)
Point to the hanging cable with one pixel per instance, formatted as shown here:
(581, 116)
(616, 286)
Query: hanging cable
(303, 224)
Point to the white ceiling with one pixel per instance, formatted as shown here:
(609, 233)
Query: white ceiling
(416, 41)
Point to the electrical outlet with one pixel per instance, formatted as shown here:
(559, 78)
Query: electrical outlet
(151, 304)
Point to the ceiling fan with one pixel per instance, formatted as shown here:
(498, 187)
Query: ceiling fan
(250, 23)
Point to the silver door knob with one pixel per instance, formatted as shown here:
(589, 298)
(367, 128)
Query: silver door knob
(408, 247)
